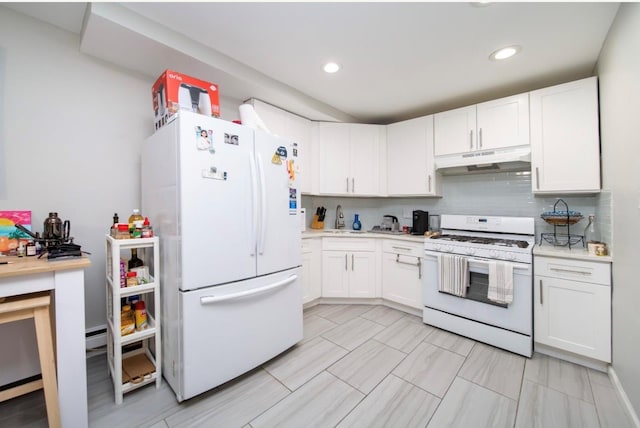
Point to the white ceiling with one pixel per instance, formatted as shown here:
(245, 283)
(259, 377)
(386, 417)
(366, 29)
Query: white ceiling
(399, 60)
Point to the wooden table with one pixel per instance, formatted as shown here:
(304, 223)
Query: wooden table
(66, 278)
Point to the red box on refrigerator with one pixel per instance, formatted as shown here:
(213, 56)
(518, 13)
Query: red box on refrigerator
(174, 91)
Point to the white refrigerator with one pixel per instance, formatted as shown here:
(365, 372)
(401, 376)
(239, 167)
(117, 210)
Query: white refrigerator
(224, 201)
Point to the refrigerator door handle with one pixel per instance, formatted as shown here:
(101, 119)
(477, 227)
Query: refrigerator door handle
(205, 300)
(254, 205)
(263, 206)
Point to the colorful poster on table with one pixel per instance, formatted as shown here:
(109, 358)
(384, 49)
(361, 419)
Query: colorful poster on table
(10, 236)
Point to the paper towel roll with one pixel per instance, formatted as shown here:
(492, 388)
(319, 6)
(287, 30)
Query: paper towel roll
(250, 118)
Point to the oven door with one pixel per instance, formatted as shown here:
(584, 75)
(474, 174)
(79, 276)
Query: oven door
(516, 316)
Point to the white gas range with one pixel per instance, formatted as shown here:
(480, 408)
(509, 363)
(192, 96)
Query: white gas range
(483, 243)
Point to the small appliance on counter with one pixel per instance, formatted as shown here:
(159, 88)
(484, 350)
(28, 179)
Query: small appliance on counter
(390, 222)
(420, 222)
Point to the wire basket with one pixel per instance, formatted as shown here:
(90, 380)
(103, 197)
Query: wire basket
(559, 219)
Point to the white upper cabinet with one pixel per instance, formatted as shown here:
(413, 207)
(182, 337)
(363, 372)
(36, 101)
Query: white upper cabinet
(494, 124)
(455, 131)
(297, 129)
(565, 142)
(410, 163)
(349, 158)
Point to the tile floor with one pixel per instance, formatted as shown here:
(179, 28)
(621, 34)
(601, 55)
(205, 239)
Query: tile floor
(365, 366)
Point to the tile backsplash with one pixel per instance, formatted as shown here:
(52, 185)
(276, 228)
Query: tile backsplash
(503, 194)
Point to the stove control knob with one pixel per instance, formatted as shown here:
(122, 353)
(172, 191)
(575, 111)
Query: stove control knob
(469, 251)
(449, 249)
(437, 247)
(510, 256)
(493, 254)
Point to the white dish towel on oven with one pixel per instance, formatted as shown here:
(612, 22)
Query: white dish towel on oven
(500, 282)
(453, 274)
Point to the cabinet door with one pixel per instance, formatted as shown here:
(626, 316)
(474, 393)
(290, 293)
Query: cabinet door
(335, 265)
(573, 316)
(334, 158)
(364, 159)
(362, 274)
(565, 142)
(307, 277)
(311, 270)
(455, 131)
(295, 128)
(401, 282)
(410, 166)
(504, 122)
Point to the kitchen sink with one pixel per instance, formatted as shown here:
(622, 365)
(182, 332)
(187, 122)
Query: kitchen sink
(387, 232)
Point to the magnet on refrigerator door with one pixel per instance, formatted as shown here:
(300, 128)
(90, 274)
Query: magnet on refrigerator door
(204, 139)
(231, 139)
(213, 173)
(293, 201)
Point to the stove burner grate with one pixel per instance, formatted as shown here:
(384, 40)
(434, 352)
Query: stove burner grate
(484, 240)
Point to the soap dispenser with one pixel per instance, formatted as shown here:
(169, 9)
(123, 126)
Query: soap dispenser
(356, 223)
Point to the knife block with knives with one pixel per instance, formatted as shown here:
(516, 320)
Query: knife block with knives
(318, 218)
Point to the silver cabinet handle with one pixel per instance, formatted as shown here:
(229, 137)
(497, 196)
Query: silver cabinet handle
(580, 272)
(429, 183)
(352, 263)
(353, 185)
(480, 137)
(418, 263)
(401, 248)
(540, 285)
(471, 139)
(537, 178)
(345, 262)
(347, 184)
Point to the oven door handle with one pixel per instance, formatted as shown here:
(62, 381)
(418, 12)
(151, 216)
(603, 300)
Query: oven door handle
(485, 262)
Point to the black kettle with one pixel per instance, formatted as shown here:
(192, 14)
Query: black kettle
(56, 229)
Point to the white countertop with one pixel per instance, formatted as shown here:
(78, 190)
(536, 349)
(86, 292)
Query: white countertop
(576, 252)
(347, 233)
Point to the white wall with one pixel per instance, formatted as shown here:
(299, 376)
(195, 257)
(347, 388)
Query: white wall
(619, 71)
(73, 129)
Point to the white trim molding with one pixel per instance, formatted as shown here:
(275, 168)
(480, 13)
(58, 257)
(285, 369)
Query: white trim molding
(623, 397)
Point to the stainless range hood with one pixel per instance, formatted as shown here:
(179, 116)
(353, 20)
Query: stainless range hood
(483, 161)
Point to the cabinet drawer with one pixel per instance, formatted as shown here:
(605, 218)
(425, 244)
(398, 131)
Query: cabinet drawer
(577, 270)
(403, 247)
(306, 246)
(348, 244)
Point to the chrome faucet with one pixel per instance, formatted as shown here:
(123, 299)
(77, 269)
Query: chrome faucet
(339, 218)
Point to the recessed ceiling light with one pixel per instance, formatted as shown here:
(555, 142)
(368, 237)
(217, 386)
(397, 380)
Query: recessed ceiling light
(331, 67)
(481, 3)
(504, 53)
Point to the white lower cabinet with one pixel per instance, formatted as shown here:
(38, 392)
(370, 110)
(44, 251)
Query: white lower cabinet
(311, 269)
(572, 306)
(348, 274)
(402, 273)
(348, 267)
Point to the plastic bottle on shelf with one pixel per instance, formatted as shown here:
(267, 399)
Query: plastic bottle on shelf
(147, 230)
(135, 223)
(134, 261)
(140, 312)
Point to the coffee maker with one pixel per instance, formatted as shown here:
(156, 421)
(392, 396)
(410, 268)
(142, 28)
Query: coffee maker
(420, 222)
